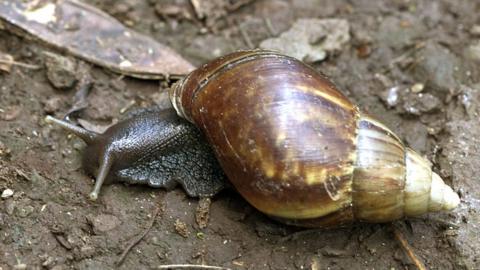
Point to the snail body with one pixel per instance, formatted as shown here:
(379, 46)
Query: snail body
(297, 149)
(153, 147)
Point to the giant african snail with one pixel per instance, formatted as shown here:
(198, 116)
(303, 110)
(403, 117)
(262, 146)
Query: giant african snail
(293, 146)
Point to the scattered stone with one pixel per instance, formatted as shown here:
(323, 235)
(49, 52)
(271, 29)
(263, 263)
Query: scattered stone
(59, 267)
(398, 33)
(62, 241)
(85, 251)
(2, 221)
(6, 62)
(103, 223)
(311, 39)
(468, 98)
(417, 88)
(118, 84)
(181, 228)
(421, 103)
(25, 211)
(61, 70)
(333, 252)
(173, 11)
(4, 150)
(475, 30)
(10, 206)
(213, 10)
(49, 262)
(473, 51)
(53, 104)
(202, 212)
(20, 266)
(417, 136)
(390, 96)
(11, 113)
(7, 193)
(361, 35)
(439, 66)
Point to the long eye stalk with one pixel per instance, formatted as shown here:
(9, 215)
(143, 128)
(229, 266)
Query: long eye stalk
(86, 135)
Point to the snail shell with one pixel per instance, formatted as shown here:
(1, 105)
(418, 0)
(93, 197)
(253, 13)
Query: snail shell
(298, 150)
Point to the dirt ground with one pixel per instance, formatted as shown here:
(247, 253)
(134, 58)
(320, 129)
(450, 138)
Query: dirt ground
(412, 63)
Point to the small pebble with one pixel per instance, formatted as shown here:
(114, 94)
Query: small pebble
(7, 193)
(103, 223)
(20, 266)
(474, 51)
(6, 61)
(48, 262)
(10, 206)
(11, 113)
(4, 150)
(181, 228)
(475, 30)
(61, 70)
(417, 88)
(25, 211)
(52, 104)
(203, 212)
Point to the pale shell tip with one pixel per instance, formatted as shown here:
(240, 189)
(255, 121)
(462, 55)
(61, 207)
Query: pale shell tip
(451, 199)
(442, 197)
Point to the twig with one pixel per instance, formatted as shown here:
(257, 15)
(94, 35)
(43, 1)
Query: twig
(82, 89)
(403, 56)
(191, 266)
(134, 242)
(269, 26)
(407, 248)
(25, 65)
(245, 36)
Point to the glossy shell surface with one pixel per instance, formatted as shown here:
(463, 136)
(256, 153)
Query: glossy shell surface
(293, 145)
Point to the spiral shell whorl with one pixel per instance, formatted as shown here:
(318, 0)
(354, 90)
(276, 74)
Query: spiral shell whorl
(297, 149)
(425, 190)
(392, 181)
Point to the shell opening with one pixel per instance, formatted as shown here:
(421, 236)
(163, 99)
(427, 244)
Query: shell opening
(175, 95)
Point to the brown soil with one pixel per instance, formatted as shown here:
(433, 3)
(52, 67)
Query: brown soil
(48, 222)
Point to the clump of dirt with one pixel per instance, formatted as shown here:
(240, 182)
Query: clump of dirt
(408, 62)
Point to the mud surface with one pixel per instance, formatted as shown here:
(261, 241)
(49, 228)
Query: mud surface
(413, 64)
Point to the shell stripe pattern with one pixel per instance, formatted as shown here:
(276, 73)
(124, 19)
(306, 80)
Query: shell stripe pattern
(255, 104)
(380, 171)
(293, 145)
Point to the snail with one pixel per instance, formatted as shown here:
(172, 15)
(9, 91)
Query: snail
(288, 141)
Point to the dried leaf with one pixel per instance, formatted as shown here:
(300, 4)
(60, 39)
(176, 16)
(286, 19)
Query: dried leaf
(94, 36)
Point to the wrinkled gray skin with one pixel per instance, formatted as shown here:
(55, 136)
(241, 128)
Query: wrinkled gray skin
(153, 147)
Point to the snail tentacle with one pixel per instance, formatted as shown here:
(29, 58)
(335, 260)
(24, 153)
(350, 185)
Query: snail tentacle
(105, 164)
(86, 135)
